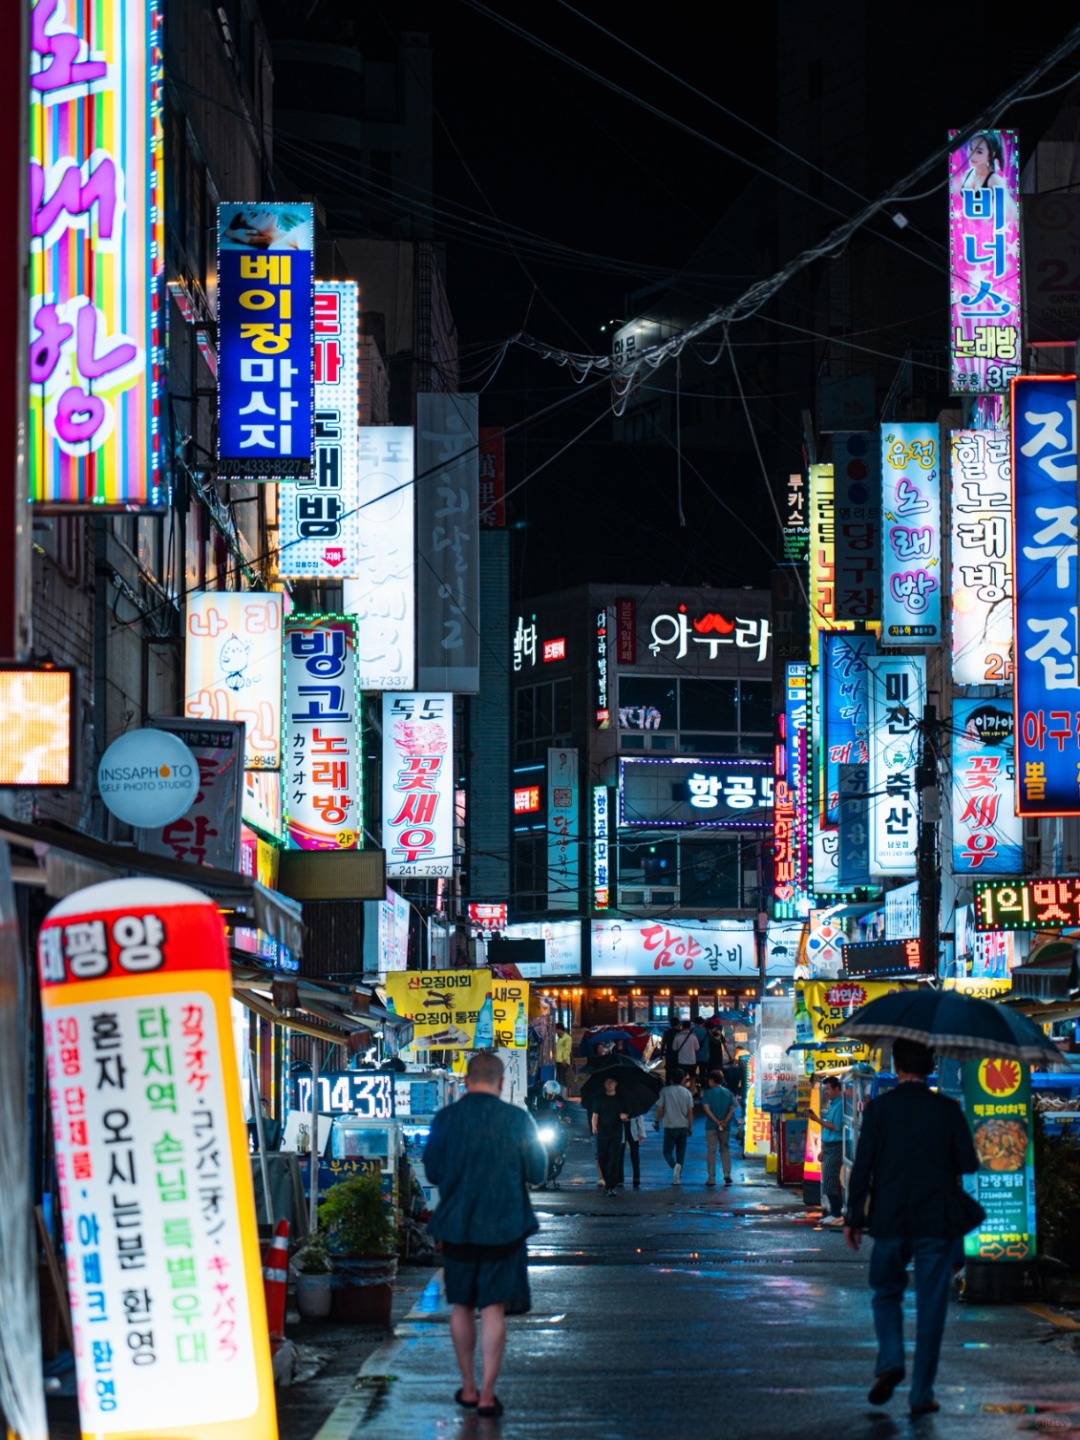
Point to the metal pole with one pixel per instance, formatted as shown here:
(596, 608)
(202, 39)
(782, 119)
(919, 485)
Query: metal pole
(313, 1198)
(260, 1130)
(926, 779)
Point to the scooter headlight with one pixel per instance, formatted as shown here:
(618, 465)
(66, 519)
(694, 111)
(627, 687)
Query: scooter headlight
(547, 1134)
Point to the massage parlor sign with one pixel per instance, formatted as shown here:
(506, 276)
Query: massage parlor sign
(163, 1266)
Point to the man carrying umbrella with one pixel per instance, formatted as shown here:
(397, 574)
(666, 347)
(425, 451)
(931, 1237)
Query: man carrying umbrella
(913, 1147)
(608, 1119)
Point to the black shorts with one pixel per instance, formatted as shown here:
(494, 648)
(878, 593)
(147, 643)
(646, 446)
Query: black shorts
(482, 1275)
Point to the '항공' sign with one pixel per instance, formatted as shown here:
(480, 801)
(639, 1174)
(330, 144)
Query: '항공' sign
(163, 1268)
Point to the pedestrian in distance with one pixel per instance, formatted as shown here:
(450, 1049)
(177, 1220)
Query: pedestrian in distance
(684, 1049)
(831, 1121)
(634, 1133)
(608, 1119)
(483, 1154)
(675, 1112)
(701, 1035)
(564, 1049)
(718, 1107)
(913, 1146)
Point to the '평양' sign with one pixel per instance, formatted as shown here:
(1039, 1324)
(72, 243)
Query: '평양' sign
(97, 253)
(154, 1179)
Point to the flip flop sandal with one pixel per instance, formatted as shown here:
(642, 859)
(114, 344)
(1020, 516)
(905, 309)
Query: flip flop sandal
(492, 1411)
(465, 1404)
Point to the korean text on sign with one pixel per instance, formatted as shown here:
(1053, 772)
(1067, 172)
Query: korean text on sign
(911, 535)
(265, 340)
(418, 789)
(1047, 688)
(97, 252)
(233, 667)
(155, 1193)
(982, 557)
(322, 775)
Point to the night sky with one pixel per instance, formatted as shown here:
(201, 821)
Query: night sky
(532, 154)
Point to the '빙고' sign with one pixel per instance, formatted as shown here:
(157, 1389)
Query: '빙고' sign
(323, 762)
(163, 1267)
(97, 253)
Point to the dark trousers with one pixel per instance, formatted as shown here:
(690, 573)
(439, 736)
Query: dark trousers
(634, 1148)
(675, 1146)
(609, 1145)
(888, 1280)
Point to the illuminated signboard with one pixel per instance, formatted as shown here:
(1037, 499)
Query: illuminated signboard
(603, 679)
(1046, 685)
(857, 525)
(418, 784)
(911, 535)
(997, 1106)
(672, 635)
(447, 526)
(265, 340)
(727, 794)
(383, 594)
(984, 261)
(232, 667)
(601, 848)
(488, 918)
(563, 832)
(319, 514)
(37, 725)
(97, 254)
(363, 1094)
(554, 650)
(796, 521)
(323, 764)
(633, 949)
(1028, 904)
(846, 712)
(882, 957)
(897, 700)
(853, 825)
(625, 629)
(527, 800)
(822, 556)
(492, 487)
(982, 558)
(790, 814)
(988, 838)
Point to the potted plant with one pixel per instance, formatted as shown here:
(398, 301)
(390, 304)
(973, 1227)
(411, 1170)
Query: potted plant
(362, 1240)
(313, 1281)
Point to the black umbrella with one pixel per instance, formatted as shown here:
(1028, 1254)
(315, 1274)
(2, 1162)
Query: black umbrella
(950, 1023)
(629, 1059)
(637, 1087)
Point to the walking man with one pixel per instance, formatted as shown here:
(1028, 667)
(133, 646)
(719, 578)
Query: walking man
(718, 1103)
(913, 1147)
(608, 1119)
(483, 1154)
(831, 1121)
(675, 1110)
(684, 1049)
(564, 1047)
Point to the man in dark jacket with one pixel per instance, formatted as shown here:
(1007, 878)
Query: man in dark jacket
(483, 1154)
(913, 1146)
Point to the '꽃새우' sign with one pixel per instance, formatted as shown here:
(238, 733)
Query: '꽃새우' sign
(163, 1268)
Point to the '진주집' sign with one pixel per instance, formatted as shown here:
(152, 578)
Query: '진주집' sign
(153, 1173)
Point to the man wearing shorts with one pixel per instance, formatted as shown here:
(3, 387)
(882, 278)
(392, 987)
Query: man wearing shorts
(483, 1154)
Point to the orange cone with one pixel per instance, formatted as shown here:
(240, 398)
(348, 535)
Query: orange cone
(276, 1280)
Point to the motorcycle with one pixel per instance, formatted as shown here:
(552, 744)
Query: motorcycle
(552, 1126)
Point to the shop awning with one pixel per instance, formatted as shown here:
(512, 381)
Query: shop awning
(1050, 972)
(326, 1012)
(67, 861)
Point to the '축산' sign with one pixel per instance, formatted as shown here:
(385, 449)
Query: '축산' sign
(152, 1166)
(897, 700)
(265, 340)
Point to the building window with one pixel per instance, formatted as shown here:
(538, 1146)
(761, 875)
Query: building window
(543, 717)
(648, 704)
(696, 717)
(690, 872)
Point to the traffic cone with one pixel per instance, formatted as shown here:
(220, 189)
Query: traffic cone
(276, 1281)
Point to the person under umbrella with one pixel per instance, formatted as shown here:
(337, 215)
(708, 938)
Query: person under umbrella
(950, 1023)
(608, 1119)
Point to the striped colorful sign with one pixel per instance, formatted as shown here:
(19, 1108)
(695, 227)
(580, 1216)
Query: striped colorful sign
(96, 253)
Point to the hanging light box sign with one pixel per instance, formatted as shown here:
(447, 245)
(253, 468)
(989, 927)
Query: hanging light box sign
(982, 558)
(323, 763)
(148, 778)
(988, 837)
(897, 701)
(911, 535)
(154, 1176)
(418, 784)
(233, 667)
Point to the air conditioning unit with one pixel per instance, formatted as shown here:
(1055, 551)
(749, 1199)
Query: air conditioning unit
(650, 899)
(663, 897)
(633, 897)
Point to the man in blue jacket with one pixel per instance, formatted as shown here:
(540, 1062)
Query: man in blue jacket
(483, 1154)
(913, 1147)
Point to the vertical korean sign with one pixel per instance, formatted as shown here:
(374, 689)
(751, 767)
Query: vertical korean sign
(822, 556)
(601, 847)
(897, 700)
(418, 784)
(97, 253)
(911, 535)
(846, 711)
(448, 642)
(857, 501)
(319, 513)
(982, 558)
(232, 667)
(265, 341)
(383, 594)
(997, 1103)
(1047, 688)
(988, 837)
(563, 831)
(984, 262)
(163, 1266)
(323, 777)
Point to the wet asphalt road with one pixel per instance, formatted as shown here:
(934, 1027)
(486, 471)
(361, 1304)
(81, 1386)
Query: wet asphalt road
(687, 1312)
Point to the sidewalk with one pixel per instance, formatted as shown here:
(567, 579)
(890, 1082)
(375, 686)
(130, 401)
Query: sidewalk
(658, 1305)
